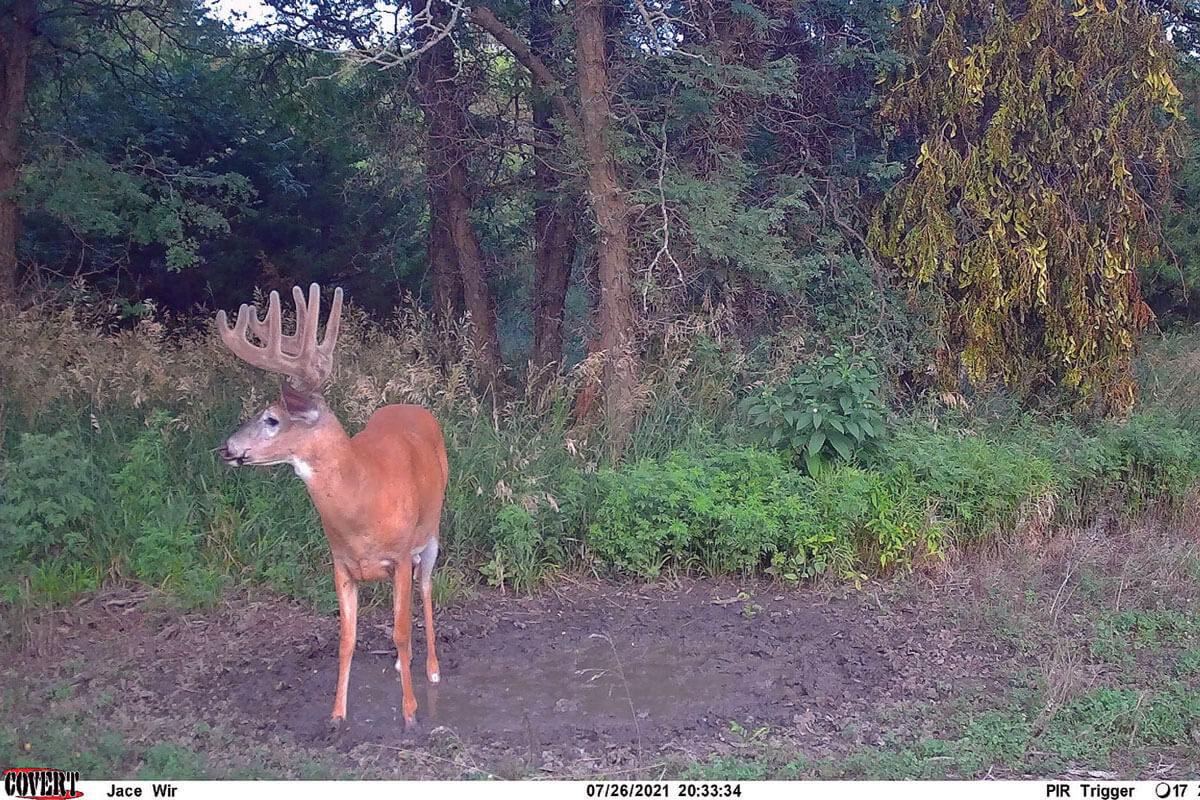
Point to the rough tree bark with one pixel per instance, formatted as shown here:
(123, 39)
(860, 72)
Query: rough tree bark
(450, 195)
(447, 288)
(555, 240)
(17, 18)
(614, 309)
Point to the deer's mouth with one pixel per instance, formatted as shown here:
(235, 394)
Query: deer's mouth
(231, 458)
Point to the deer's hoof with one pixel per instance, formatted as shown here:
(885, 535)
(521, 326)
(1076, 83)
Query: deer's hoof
(337, 724)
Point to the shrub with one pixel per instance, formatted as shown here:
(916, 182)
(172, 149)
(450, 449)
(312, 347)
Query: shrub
(829, 409)
(94, 485)
(158, 510)
(739, 510)
(520, 558)
(652, 511)
(49, 492)
(977, 484)
(1149, 458)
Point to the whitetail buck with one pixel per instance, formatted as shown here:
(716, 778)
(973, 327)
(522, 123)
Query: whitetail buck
(379, 493)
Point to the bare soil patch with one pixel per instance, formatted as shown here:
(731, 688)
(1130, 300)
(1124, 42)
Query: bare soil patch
(598, 678)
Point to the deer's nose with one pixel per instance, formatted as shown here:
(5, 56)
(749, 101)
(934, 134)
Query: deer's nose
(225, 453)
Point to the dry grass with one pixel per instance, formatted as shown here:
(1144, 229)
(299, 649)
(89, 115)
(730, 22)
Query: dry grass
(1049, 588)
(72, 355)
(82, 356)
(1170, 374)
(79, 356)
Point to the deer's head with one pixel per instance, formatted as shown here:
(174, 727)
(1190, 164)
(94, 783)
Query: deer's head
(286, 431)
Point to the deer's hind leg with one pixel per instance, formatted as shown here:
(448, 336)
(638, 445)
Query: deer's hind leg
(402, 635)
(423, 562)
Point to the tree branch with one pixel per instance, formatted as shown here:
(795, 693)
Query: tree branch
(543, 78)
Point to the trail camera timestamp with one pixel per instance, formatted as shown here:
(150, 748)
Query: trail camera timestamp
(684, 790)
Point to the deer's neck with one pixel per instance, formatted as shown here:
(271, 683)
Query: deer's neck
(326, 463)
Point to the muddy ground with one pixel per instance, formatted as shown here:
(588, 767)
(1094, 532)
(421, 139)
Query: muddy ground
(620, 680)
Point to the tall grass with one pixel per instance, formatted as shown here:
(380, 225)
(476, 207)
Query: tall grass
(108, 470)
(1169, 373)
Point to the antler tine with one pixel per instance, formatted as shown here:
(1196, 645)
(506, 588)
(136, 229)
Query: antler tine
(270, 329)
(235, 337)
(332, 326)
(317, 361)
(305, 363)
(308, 317)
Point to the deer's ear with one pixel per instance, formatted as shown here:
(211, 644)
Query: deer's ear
(301, 405)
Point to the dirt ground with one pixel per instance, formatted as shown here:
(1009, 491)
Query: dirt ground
(614, 680)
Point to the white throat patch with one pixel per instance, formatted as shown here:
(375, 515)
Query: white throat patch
(303, 470)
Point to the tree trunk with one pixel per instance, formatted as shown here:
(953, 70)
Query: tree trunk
(554, 238)
(16, 38)
(614, 310)
(450, 197)
(590, 122)
(477, 296)
(443, 274)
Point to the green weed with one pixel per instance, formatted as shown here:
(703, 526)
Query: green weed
(1118, 635)
(170, 761)
(978, 484)
(829, 409)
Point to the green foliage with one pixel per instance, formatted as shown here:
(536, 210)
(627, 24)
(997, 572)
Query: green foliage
(717, 512)
(516, 495)
(519, 556)
(59, 581)
(734, 511)
(46, 497)
(725, 230)
(1152, 458)
(1093, 725)
(725, 769)
(1188, 665)
(979, 484)
(830, 408)
(1043, 130)
(757, 165)
(57, 740)
(172, 516)
(1170, 281)
(179, 165)
(1118, 635)
(985, 482)
(156, 512)
(171, 761)
(898, 521)
(94, 488)
(995, 737)
(165, 205)
(1169, 372)
(1147, 459)
(135, 502)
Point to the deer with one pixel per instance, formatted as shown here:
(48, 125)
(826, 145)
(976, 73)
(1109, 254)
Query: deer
(379, 493)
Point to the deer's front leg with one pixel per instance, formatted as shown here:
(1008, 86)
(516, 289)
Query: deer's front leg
(347, 592)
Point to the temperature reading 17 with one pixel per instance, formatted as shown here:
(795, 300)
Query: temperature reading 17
(1168, 790)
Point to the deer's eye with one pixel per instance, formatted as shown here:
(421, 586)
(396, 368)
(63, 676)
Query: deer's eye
(271, 422)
